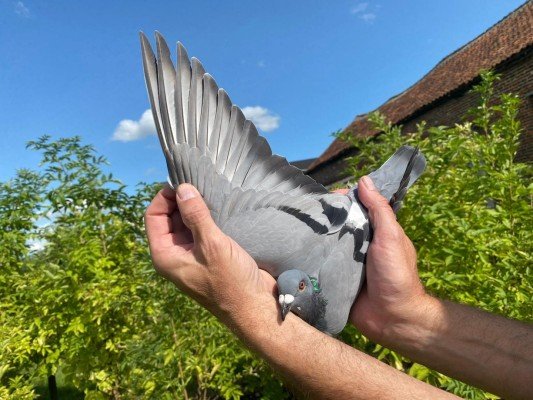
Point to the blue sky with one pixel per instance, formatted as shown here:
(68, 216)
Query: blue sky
(307, 68)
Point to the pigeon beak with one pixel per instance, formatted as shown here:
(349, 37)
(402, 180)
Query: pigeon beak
(285, 301)
(285, 308)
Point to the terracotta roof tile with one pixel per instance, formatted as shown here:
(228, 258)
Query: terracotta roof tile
(503, 40)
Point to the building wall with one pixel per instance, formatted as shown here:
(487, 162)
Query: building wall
(517, 78)
(333, 171)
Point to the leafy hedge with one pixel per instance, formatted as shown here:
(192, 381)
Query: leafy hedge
(79, 298)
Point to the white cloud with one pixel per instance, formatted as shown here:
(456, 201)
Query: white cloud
(263, 118)
(21, 9)
(358, 8)
(128, 130)
(261, 64)
(368, 17)
(362, 11)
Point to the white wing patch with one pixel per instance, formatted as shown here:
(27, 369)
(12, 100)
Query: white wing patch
(356, 216)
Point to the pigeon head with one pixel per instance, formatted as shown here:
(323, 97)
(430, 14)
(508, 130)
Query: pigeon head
(300, 293)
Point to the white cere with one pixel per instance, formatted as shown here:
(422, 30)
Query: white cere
(364, 247)
(289, 298)
(281, 299)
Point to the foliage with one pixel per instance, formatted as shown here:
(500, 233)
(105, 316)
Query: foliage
(87, 302)
(469, 216)
(79, 297)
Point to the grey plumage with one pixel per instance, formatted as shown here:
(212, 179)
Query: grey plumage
(282, 217)
(406, 159)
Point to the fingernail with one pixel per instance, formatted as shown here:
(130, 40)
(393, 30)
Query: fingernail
(368, 183)
(186, 192)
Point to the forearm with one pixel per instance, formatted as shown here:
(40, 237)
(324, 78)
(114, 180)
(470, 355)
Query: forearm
(321, 366)
(485, 350)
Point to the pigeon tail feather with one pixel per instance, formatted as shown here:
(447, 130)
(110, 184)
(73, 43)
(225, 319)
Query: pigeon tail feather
(398, 174)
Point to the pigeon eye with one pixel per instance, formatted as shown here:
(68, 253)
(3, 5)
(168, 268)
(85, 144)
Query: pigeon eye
(301, 286)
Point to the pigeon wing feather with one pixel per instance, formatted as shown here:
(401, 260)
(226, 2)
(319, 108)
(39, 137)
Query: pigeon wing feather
(208, 142)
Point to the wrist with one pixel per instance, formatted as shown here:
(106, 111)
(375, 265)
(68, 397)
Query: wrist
(416, 328)
(246, 317)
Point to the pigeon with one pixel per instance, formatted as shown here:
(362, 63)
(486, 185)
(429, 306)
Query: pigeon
(313, 242)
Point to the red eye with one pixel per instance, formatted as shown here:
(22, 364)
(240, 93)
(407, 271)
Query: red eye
(301, 286)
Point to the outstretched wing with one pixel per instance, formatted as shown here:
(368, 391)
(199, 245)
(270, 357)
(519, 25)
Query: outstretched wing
(209, 143)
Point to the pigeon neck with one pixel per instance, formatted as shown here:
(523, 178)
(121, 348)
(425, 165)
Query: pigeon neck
(318, 307)
(318, 313)
(316, 287)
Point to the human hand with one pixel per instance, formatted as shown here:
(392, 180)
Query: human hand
(394, 310)
(393, 293)
(192, 252)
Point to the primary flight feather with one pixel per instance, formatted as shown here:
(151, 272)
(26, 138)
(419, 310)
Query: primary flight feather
(312, 241)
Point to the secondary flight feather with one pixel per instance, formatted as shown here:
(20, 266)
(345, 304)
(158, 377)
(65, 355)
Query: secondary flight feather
(312, 241)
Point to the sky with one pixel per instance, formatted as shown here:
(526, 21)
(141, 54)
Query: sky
(300, 69)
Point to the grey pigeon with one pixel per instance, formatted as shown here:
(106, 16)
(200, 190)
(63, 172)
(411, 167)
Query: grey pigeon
(314, 242)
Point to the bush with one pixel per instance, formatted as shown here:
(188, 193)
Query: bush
(469, 216)
(80, 297)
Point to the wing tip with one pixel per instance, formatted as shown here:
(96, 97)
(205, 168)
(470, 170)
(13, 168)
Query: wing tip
(210, 81)
(182, 51)
(162, 47)
(145, 42)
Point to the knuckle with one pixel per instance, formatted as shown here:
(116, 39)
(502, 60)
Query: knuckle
(397, 232)
(379, 209)
(391, 233)
(145, 218)
(146, 213)
(212, 249)
(411, 250)
(196, 214)
(378, 203)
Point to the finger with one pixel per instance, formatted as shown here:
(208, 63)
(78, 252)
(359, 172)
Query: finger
(164, 226)
(195, 214)
(178, 226)
(158, 214)
(381, 215)
(181, 232)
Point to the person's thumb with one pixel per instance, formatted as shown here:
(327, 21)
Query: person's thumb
(379, 210)
(195, 214)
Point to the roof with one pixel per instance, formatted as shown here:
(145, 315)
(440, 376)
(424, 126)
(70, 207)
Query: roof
(303, 164)
(503, 40)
